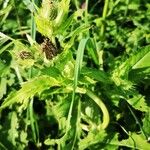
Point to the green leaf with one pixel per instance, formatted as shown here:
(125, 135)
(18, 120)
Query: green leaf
(29, 5)
(93, 137)
(3, 68)
(67, 22)
(29, 89)
(51, 71)
(92, 51)
(5, 12)
(5, 47)
(23, 137)
(61, 109)
(5, 62)
(44, 26)
(63, 10)
(139, 74)
(146, 123)
(72, 35)
(137, 60)
(62, 60)
(65, 25)
(13, 131)
(138, 102)
(96, 74)
(75, 102)
(143, 61)
(136, 141)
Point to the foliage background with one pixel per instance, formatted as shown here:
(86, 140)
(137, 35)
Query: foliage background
(94, 94)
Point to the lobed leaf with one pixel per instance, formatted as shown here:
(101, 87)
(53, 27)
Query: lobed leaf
(138, 102)
(138, 60)
(29, 89)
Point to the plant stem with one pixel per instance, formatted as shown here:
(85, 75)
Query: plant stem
(3, 147)
(33, 25)
(86, 11)
(33, 121)
(100, 103)
(104, 17)
(126, 10)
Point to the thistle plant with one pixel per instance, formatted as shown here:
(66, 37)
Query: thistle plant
(74, 75)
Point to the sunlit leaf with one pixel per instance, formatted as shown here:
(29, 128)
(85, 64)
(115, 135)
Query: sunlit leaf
(92, 138)
(138, 60)
(29, 89)
(146, 124)
(136, 141)
(139, 103)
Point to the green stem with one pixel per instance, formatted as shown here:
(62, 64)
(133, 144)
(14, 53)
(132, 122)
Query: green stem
(33, 25)
(86, 12)
(104, 17)
(31, 114)
(126, 10)
(3, 147)
(100, 103)
(33, 121)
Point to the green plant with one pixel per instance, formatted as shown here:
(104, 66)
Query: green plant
(93, 90)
